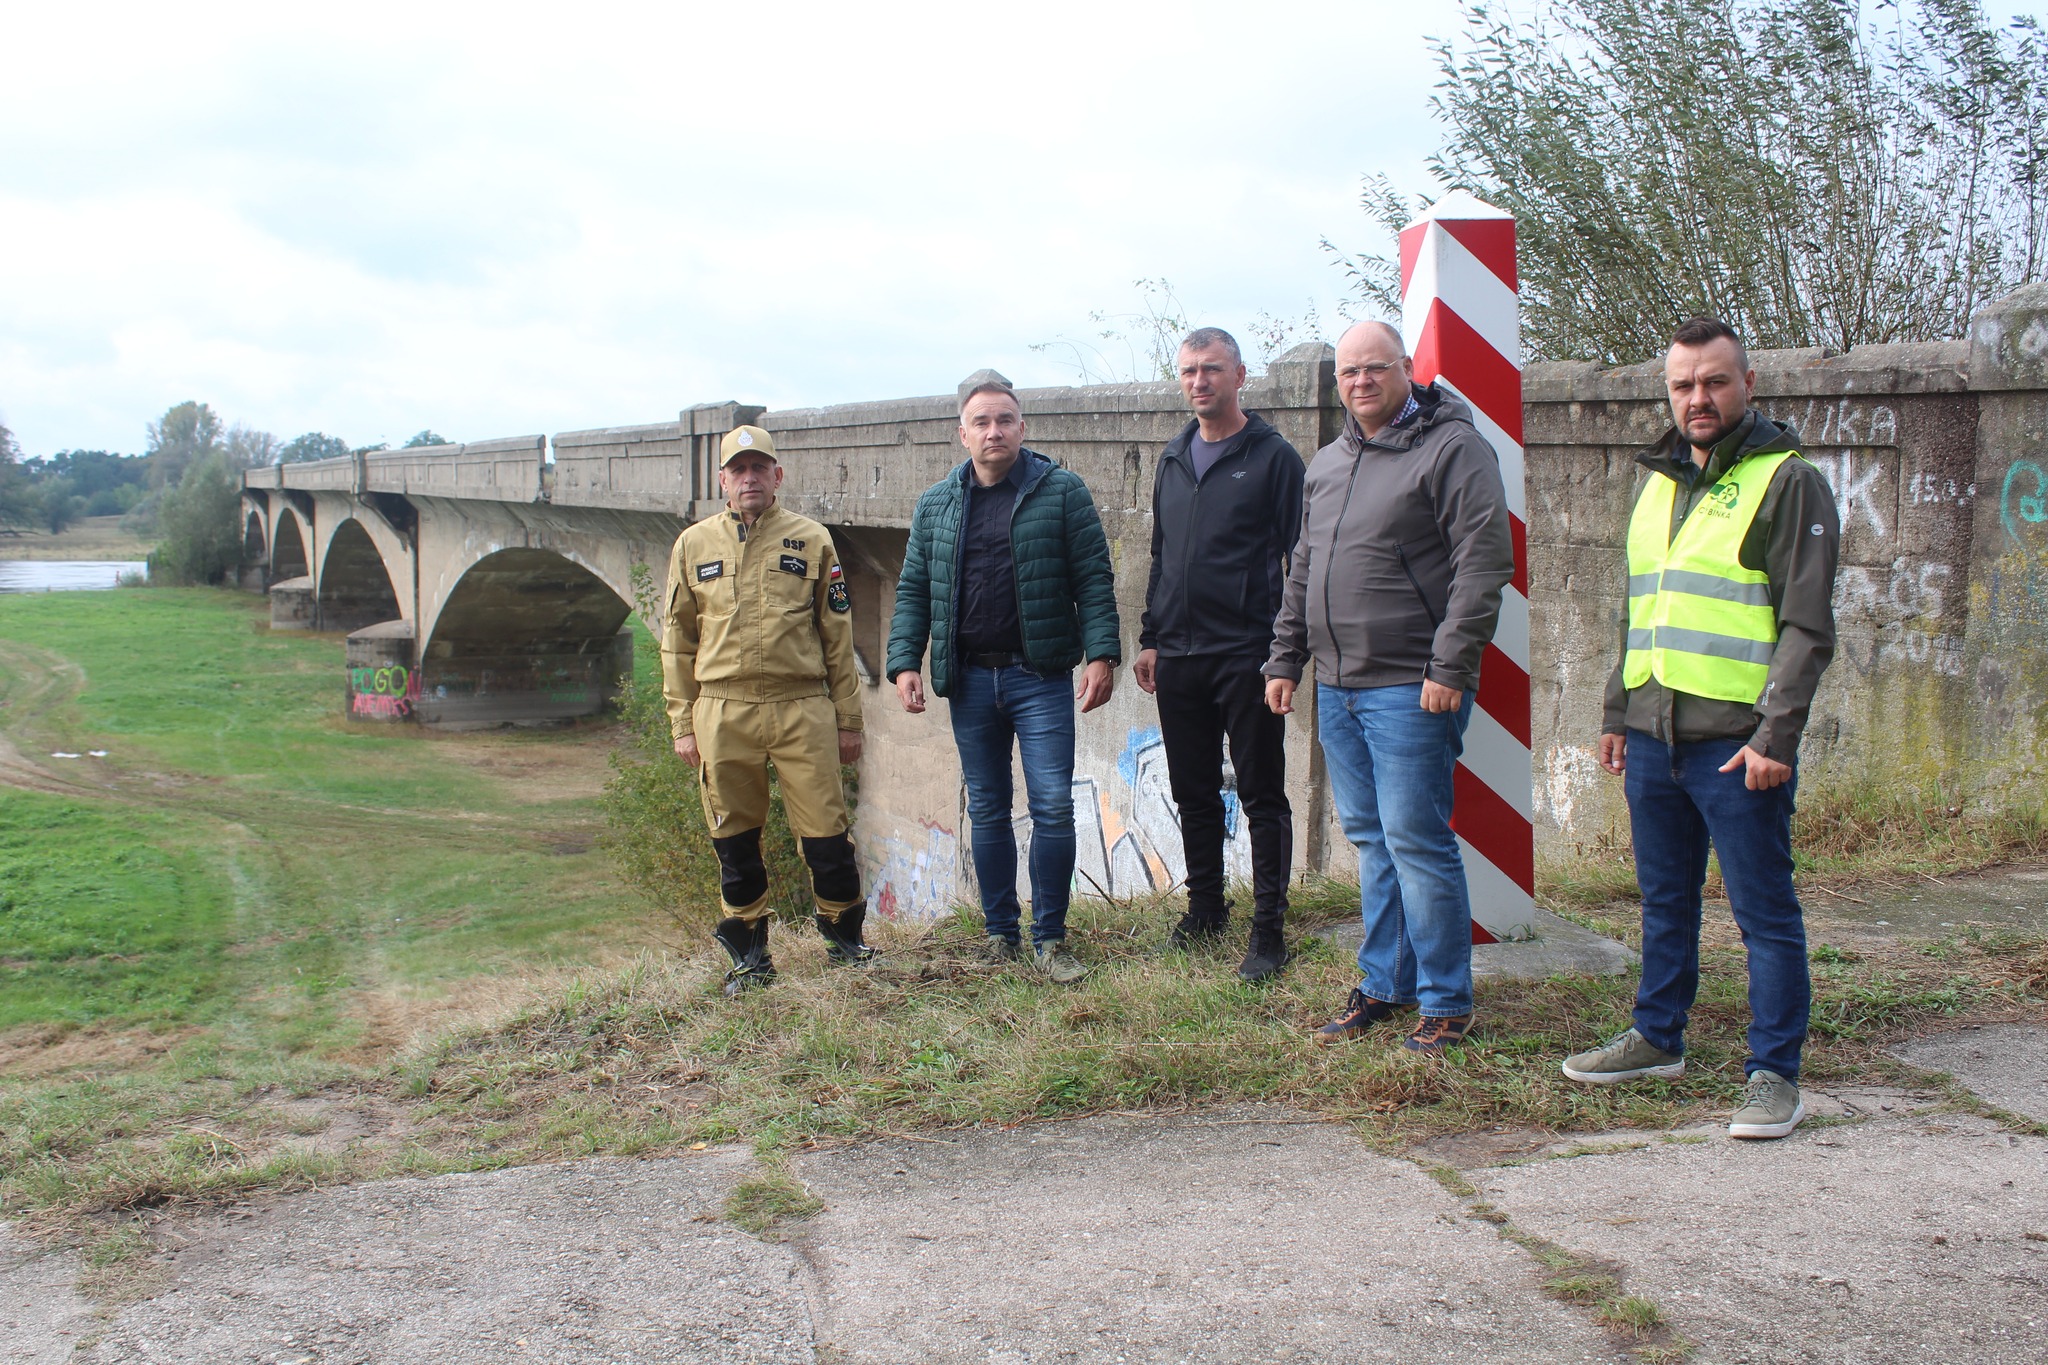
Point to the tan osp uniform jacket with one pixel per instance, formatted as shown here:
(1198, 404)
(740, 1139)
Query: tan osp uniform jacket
(757, 614)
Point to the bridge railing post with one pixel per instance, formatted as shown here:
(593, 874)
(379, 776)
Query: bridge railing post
(705, 425)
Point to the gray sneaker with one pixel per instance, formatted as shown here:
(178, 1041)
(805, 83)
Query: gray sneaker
(1059, 964)
(1624, 1057)
(999, 949)
(1771, 1107)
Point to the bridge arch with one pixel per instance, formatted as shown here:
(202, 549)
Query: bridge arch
(525, 634)
(255, 541)
(288, 541)
(356, 587)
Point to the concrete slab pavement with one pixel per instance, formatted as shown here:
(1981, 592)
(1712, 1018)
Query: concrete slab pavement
(2002, 1064)
(1244, 1234)
(42, 1315)
(602, 1260)
(1896, 1240)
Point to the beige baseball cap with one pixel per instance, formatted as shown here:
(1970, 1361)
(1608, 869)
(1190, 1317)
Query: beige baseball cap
(745, 441)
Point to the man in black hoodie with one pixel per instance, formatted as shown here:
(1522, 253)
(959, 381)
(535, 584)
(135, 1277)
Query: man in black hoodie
(1226, 500)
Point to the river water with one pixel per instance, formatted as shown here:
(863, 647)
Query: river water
(64, 575)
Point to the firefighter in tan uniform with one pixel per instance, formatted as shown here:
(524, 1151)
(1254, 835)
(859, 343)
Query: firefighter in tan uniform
(757, 665)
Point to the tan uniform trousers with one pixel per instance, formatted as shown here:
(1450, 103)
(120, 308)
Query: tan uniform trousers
(738, 739)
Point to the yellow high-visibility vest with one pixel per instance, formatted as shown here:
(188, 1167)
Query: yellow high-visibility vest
(1697, 620)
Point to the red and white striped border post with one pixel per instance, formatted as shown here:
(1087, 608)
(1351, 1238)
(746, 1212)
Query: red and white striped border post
(1461, 320)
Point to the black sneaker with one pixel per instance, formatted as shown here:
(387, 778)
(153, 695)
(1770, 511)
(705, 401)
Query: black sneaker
(1196, 929)
(1361, 1012)
(1267, 955)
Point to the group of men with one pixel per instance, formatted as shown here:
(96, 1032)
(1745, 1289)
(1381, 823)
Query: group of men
(1383, 563)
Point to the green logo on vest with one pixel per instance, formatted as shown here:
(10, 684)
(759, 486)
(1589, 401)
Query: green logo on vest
(1726, 494)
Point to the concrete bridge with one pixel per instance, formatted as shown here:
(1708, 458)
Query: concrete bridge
(492, 582)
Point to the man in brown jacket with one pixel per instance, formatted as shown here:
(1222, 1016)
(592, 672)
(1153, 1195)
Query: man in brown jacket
(757, 665)
(1394, 589)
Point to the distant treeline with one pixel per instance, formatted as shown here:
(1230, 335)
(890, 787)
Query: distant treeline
(50, 492)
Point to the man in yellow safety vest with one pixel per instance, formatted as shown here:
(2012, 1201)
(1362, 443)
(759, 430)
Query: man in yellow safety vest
(1731, 574)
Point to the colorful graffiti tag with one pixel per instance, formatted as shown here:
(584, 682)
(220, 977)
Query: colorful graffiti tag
(387, 692)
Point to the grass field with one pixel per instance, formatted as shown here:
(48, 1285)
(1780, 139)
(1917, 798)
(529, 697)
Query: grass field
(246, 887)
(87, 538)
(254, 946)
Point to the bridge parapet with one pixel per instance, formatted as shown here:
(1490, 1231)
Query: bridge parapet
(508, 469)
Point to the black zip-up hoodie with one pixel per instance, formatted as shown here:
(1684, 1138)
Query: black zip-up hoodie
(1220, 545)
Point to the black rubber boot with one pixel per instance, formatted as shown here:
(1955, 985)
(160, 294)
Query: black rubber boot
(842, 937)
(746, 943)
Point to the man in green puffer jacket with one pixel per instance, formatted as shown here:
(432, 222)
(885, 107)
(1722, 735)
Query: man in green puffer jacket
(1007, 575)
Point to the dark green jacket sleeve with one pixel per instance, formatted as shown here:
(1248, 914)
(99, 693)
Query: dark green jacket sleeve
(1093, 579)
(910, 627)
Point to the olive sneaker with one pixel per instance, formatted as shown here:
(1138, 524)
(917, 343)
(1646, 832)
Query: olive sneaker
(1000, 950)
(1626, 1056)
(1771, 1107)
(1058, 964)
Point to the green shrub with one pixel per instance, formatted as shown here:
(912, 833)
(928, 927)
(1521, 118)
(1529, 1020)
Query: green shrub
(202, 525)
(654, 818)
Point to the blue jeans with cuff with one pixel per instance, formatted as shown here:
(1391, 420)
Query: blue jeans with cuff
(1390, 767)
(1679, 802)
(992, 708)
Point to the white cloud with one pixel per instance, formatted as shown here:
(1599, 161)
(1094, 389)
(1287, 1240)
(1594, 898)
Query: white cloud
(489, 220)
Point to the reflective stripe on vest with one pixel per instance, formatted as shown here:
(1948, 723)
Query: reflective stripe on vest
(1697, 620)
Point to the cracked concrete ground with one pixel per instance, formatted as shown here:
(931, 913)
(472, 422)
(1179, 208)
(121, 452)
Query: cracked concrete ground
(1899, 1233)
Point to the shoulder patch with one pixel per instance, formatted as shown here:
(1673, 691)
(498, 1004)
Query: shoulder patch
(707, 572)
(792, 564)
(835, 596)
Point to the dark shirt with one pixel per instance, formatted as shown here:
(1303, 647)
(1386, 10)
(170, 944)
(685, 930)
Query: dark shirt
(988, 567)
(1202, 454)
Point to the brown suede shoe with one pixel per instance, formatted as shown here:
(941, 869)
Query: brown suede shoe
(1438, 1033)
(1361, 1012)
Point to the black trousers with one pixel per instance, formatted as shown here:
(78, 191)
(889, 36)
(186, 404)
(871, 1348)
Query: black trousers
(1204, 698)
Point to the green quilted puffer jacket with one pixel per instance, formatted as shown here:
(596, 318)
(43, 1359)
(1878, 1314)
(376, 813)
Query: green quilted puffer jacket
(1066, 590)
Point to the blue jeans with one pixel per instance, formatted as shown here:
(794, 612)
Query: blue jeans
(1678, 803)
(1390, 773)
(990, 708)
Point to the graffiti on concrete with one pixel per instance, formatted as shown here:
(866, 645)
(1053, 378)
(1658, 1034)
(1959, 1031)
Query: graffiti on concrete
(2023, 498)
(389, 692)
(912, 882)
(1905, 605)
(1856, 485)
(1845, 422)
(1133, 849)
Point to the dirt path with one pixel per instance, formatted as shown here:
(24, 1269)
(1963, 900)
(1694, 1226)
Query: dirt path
(38, 682)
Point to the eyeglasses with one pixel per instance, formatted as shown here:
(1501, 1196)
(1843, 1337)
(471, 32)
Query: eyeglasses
(1374, 370)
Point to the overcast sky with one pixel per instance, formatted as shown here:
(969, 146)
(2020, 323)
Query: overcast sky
(366, 220)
